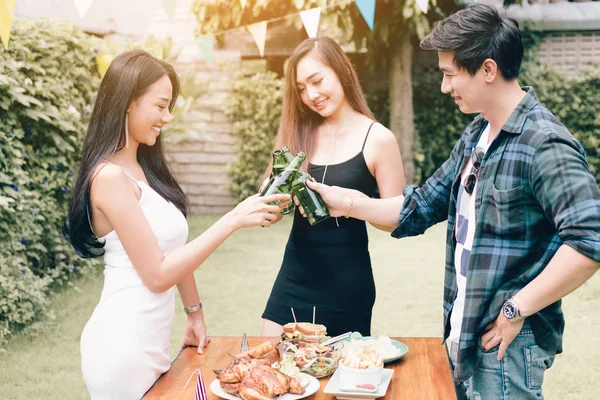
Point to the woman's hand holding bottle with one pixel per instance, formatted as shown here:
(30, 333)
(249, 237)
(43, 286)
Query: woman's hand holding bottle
(256, 211)
(282, 206)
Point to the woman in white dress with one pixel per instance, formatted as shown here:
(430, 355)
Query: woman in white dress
(127, 206)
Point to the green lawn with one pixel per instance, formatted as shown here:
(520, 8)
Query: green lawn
(235, 283)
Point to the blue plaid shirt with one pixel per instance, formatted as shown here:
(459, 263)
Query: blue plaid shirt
(535, 192)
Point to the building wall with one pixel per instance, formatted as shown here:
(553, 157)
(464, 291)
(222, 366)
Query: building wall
(203, 156)
(571, 51)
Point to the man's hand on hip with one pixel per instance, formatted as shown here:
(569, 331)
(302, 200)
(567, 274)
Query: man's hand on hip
(500, 332)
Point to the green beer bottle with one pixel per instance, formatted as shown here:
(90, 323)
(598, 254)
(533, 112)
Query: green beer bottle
(309, 199)
(280, 183)
(287, 153)
(314, 207)
(284, 156)
(279, 162)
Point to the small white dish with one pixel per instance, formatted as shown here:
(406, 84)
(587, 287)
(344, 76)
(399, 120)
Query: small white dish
(333, 388)
(349, 377)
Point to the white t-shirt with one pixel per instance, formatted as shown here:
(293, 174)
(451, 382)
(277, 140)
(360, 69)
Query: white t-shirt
(464, 232)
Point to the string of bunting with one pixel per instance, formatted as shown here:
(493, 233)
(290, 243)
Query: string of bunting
(310, 19)
(7, 12)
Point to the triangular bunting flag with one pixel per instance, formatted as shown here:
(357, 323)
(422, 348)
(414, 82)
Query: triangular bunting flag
(310, 20)
(82, 7)
(7, 11)
(243, 3)
(157, 49)
(259, 33)
(206, 44)
(367, 9)
(103, 62)
(170, 7)
(423, 5)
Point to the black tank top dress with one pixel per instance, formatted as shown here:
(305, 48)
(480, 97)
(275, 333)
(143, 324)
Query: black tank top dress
(326, 265)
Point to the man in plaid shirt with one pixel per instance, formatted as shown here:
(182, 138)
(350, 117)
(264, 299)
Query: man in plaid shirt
(523, 213)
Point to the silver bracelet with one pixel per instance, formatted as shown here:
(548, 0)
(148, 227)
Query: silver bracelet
(194, 308)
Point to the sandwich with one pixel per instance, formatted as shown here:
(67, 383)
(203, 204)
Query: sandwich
(304, 332)
(312, 333)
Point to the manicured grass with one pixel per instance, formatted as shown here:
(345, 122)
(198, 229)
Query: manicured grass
(235, 283)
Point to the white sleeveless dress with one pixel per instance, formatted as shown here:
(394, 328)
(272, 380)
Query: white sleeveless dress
(125, 344)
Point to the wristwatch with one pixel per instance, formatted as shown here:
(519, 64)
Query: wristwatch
(194, 308)
(511, 311)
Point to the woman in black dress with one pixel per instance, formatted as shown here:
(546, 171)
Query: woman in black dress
(328, 266)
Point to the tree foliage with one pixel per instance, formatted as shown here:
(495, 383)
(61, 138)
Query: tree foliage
(48, 76)
(393, 19)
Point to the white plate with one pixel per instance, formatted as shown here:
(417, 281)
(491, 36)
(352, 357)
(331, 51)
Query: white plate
(333, 387)
(313, 386)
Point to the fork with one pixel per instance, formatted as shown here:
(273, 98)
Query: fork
(336, 339)
(244, 346)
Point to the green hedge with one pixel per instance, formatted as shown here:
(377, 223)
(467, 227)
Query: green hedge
(438, 123)
(47, 78)
(574, 100)
(255, 109)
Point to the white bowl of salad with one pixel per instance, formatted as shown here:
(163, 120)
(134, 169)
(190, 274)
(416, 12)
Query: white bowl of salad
(310, 358)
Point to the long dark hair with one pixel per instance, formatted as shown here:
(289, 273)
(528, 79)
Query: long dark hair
(127, 79)
(298, 123)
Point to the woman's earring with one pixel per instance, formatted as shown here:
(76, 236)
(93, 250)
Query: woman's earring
(127, 130)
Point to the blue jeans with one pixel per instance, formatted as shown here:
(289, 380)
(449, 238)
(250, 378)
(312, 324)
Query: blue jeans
(518, 376)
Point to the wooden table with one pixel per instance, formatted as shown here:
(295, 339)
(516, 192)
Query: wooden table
(423, 373)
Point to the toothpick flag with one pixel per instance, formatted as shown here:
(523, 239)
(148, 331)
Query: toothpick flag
(170, 7)
(310, 20)
(367, 9)
(259, 33)
(7, 11)
(82, 7)
(206, 44)
(423, 5)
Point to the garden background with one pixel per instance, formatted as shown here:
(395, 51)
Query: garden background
(49, 74)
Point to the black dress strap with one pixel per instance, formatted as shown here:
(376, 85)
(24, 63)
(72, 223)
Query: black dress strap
(365, 142)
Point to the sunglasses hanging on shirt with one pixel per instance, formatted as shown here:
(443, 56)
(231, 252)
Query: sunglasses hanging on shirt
(476, 159)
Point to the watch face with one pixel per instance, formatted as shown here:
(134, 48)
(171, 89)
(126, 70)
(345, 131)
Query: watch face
(509, 310)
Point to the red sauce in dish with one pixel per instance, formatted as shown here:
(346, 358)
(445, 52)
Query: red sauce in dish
(366, 386)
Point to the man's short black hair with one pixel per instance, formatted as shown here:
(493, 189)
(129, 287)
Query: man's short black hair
(476, 33)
